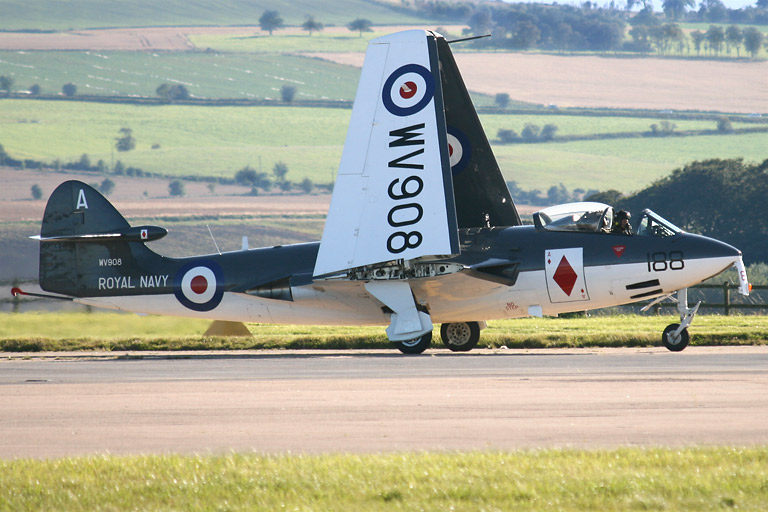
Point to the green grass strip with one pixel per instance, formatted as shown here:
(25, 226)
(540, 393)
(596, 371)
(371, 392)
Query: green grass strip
(34, 332)
(626, 479)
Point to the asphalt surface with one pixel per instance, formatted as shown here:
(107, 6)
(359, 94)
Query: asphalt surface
(54, 405)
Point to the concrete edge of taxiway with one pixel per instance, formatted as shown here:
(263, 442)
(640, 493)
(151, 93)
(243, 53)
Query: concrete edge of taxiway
(438, 352)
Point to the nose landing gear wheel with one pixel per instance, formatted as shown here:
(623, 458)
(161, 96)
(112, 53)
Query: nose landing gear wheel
(672, 342)
(416, 345)
(460, 336)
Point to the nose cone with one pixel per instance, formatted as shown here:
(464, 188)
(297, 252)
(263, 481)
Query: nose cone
(699, 246)
(705, 257)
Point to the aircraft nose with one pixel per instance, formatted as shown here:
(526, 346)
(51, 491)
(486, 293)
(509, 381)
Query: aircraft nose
(704, 247)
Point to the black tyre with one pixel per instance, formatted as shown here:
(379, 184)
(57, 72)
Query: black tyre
(460, 336)
(416, 345)
(678, 343)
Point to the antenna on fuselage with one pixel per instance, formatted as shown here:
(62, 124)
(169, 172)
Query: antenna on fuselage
(468, 39)
(214, 240)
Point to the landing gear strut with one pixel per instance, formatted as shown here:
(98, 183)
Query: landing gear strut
(675, 337)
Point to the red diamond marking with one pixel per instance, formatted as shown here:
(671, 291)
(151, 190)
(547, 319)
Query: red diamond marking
(565, 277)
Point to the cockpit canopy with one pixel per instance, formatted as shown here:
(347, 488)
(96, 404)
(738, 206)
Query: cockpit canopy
(588, 217)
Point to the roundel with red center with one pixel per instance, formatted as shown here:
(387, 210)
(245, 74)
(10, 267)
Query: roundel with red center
(459, 150)
(408, 90)
(199, 285)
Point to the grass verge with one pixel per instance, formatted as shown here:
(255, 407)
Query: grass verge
(623, 479)
(33, 332)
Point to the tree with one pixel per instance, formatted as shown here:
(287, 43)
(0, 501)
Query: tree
(270, 20)
(360, 25)
(84, 163)
(287, 93)
(176, 188)
(126, 142)
(249, 177)
(37, 192)
(69, 89)
(724, 125)
(674, 9)
(548, 132)
(698, 37)
(713, 10)
(502, 99)
(6, 84)
(306, 185)
(107, 186)
(481, 21)
(310, 25)
(611, 197)
(530, 132)
(733, 37)
(715, 38)
(753, 40)
(172, 92)
(525, 36)
(35, 90)
(280, 169)
(506, 136)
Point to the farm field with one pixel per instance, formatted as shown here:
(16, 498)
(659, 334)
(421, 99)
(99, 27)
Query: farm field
(44, 14)
(205, 74)
(611, 82)
(218, 141)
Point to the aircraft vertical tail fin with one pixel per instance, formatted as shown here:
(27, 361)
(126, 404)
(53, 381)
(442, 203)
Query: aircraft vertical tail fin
(87, 247)
(482, 196)
(393, 197)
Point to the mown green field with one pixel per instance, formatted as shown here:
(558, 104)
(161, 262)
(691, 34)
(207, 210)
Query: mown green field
(204, 74)
(625, 479)
(626, 165)
(114, 331)
(218, 141)
(45, 14)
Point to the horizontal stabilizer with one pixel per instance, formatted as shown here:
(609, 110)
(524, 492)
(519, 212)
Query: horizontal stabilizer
(133, 234)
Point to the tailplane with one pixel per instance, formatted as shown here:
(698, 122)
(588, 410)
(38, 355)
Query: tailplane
(87, 248)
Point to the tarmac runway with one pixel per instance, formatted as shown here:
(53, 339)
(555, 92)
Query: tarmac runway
(54, 405)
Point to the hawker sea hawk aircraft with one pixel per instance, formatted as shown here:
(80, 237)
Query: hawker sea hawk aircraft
(421, 229)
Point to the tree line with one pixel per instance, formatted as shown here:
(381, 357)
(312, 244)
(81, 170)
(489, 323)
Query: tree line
(589, 27)
(723, 199)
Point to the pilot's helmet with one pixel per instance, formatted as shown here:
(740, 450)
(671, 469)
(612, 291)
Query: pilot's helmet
(623, 214)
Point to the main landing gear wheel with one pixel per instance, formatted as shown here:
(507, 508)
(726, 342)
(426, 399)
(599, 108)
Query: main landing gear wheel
(672, 342)
(416, 345)
(460, 336)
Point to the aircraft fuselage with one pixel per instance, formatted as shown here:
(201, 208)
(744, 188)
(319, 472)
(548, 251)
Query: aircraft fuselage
(522, 271)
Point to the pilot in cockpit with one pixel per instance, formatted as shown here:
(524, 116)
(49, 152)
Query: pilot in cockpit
(621, 225)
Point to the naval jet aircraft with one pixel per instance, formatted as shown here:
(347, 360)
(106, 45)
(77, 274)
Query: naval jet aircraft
(421, 230)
